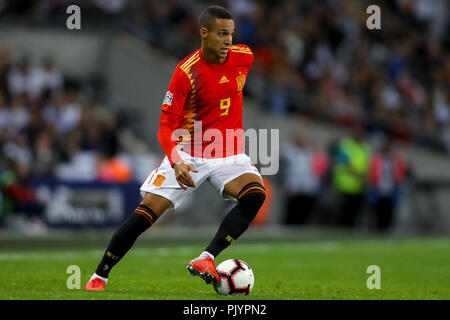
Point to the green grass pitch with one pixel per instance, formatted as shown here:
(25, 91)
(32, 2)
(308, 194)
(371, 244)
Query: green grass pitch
(416, 268)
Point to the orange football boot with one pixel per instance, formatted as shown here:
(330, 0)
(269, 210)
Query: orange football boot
(205, 269)
(95, 284)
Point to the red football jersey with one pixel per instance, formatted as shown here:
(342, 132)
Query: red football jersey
(212, 94)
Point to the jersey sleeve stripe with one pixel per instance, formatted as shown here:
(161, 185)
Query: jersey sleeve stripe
(188, 66)
(241, 52)
(190, 59)
(239, 47)
(194, 56)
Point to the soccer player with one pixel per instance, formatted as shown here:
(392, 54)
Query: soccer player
(206, 91)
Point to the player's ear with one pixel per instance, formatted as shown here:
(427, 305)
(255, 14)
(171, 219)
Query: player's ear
(203, 33)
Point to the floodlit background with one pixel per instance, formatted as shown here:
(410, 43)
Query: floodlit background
(363, 115)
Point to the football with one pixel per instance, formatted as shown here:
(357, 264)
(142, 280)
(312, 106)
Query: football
(236, 278)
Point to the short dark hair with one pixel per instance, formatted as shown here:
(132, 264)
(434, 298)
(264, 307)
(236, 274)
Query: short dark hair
(211, 13)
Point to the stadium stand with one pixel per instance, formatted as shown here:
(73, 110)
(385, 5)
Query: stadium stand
(316, 67)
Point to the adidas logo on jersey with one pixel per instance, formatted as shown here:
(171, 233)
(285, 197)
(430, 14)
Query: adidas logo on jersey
(224, 80)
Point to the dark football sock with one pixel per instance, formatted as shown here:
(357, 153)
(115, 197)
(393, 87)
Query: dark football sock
(124, 238)
(250, 200)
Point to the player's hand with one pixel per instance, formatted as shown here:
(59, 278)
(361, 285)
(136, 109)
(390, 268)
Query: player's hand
(182, 175)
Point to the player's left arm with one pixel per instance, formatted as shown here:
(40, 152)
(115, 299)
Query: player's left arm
(171, 112)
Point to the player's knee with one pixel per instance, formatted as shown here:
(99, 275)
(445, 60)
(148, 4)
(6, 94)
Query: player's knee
(251, 198)
(155, 203)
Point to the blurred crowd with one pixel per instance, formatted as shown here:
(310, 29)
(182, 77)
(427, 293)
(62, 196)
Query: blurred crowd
(312, 58)
(317, 58)
(353, 183)
(49, 129)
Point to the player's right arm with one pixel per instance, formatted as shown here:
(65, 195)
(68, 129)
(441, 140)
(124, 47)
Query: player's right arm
(171, 111)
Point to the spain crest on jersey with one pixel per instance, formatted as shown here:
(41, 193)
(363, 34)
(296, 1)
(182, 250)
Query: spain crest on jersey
(240, 80)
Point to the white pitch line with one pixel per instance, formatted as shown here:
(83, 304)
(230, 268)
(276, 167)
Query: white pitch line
(167, 251)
